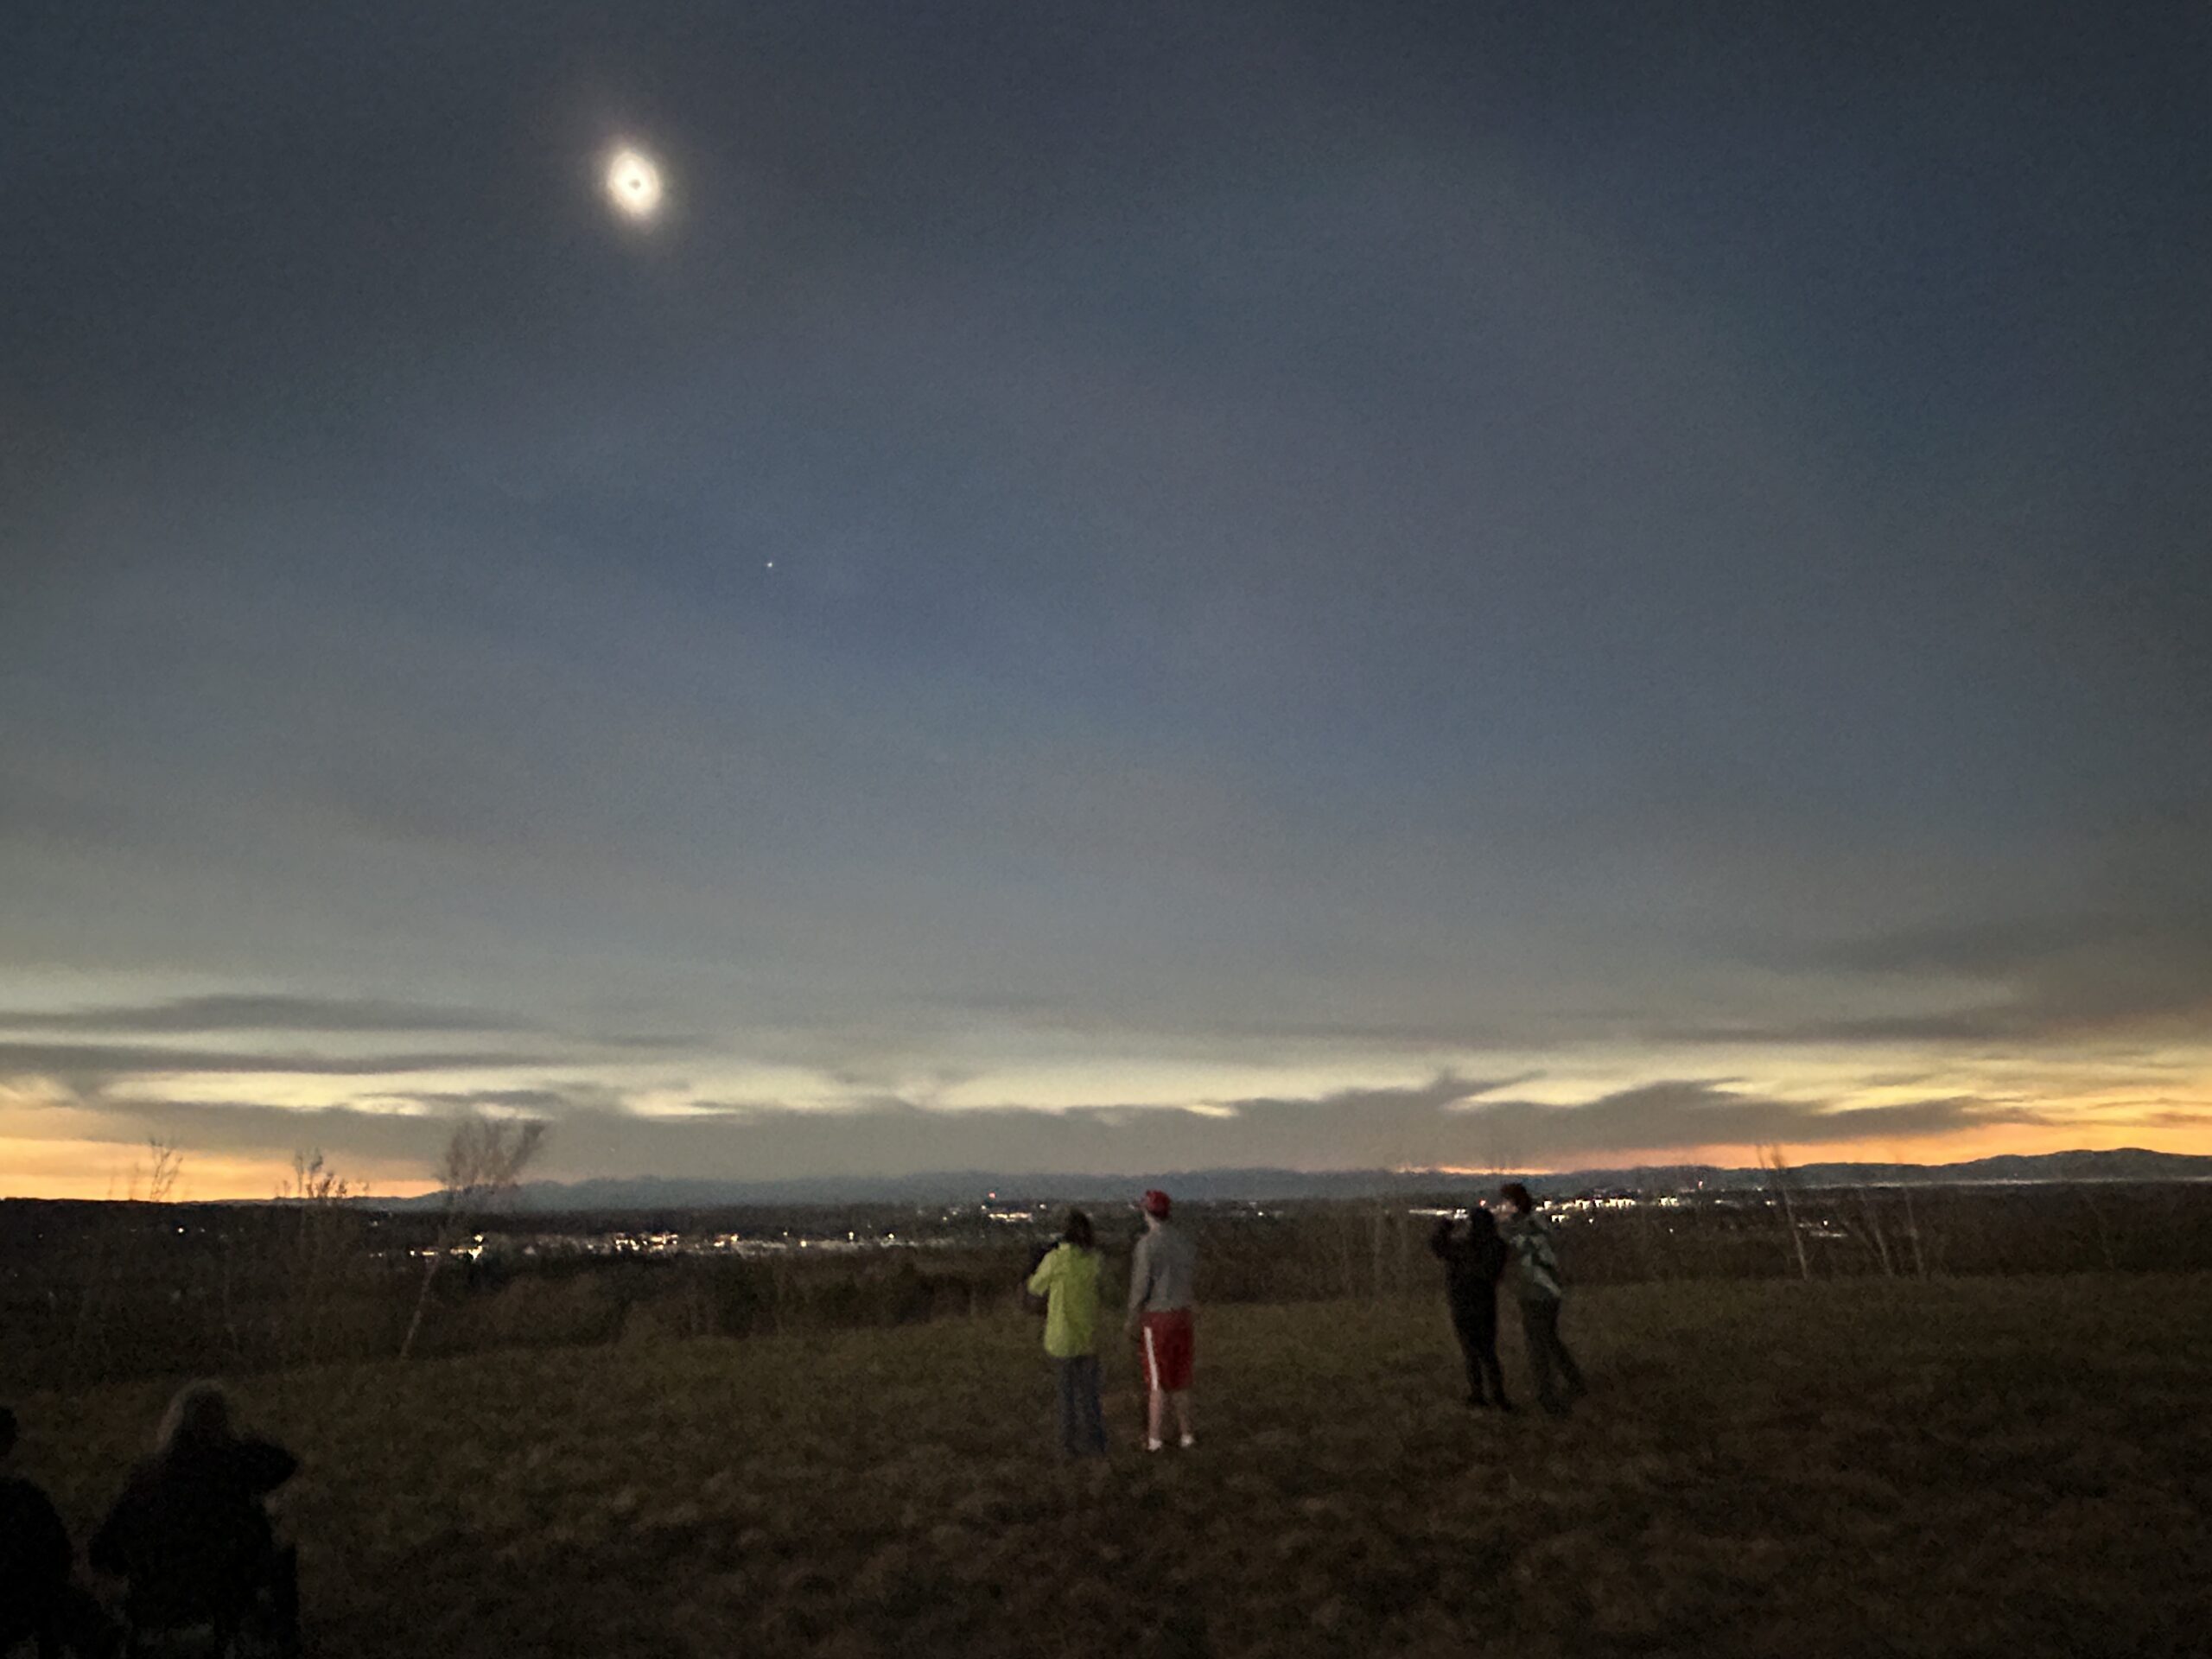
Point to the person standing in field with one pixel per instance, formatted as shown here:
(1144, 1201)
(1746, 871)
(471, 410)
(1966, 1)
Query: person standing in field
(1160, 1278)
(1536, 1285)
(1473, 1264)
(1068, 1281)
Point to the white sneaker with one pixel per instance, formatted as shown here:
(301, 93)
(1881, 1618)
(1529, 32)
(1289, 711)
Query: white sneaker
(1153, 1445)
(1189, 1440)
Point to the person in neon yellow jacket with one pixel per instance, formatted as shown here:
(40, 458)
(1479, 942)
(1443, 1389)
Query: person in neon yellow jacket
(1068, 1281)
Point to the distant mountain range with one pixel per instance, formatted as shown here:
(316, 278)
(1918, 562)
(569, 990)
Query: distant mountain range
(2130, 1163)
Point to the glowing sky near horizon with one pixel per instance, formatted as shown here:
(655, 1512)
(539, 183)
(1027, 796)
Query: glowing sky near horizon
(1270, 584)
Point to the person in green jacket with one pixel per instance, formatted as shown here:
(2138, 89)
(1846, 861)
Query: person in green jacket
(1068, 1280)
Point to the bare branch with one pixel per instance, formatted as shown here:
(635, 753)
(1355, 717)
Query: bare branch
(484, 1160)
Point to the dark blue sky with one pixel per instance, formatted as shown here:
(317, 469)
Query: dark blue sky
(1573, 566)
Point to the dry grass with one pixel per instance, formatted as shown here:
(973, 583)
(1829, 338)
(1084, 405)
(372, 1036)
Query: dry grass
(1964, 1467)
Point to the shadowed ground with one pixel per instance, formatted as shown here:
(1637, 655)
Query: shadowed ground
(1955, 1467)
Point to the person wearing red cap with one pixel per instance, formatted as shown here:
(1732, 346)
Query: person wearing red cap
(1159, 1318)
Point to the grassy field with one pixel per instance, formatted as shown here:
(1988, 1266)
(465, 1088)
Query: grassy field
(1974, 1466)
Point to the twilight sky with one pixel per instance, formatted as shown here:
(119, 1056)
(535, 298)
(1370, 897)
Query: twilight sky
(1109, 587)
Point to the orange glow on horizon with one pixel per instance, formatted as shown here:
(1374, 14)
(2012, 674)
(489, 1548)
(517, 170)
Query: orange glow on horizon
(34, 1169)
(107, 1169)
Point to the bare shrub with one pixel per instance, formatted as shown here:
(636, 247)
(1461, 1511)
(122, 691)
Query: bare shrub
(1778, 1172)
(321, 1239)
(108, 1248)
(1867, 1230)
(163, 1175)
(484, 1159)
(1912, 1232)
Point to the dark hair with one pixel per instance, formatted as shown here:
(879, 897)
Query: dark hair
(1481, 1225)
(1517, 1195)
(7, 1431)
(1078, 1232)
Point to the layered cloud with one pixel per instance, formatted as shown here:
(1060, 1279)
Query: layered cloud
(2030, 982)
(242, 1079)
(239, 1011)
(1450, 1123)
(106, 1060)
(1450, 1120)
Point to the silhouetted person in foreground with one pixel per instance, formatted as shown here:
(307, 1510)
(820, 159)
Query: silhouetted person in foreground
(1067, 1279)
(41, 1601)
(190, 1537)
(1473, 1262)
(1537, 1284)
(1161, 1274)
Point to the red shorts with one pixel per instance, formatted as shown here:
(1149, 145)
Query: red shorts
(1167, 1350)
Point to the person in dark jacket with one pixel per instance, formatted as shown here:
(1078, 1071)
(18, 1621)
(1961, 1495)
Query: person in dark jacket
(1473, 1262)
(41, 1601)
(1538, 1287)
(190, 1536)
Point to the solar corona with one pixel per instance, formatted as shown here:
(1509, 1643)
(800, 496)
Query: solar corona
(633, 184)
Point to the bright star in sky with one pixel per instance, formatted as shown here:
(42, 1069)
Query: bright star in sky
(633, 183)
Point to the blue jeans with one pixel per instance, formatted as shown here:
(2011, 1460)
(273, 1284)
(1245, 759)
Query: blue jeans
(1082, 1420)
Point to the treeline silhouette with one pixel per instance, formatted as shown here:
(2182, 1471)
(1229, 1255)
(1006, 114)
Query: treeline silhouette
(94, 1293)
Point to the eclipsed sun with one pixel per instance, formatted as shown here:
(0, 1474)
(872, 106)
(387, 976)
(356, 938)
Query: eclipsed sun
(633, 184)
